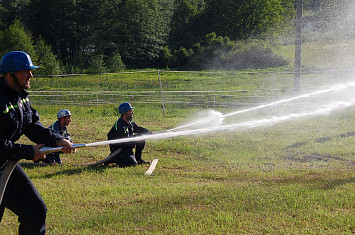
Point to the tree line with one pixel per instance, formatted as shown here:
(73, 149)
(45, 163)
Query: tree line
(95, 36)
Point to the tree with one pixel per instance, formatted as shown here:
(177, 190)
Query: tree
(114, 63)
(55, 22)
(73, 28)
(96, 64)
(49, 64)
(138, 30)
(244, 19)
(15, 38)
(143, 30)
(183, 33)
(11, 10)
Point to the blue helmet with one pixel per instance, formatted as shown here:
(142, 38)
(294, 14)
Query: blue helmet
(16, 61)
(63, 113)
(124, 107)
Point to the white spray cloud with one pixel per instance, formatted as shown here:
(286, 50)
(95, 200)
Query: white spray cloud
(343, 97)
(204, 118)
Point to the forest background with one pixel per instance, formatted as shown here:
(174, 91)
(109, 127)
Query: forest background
(98, 36)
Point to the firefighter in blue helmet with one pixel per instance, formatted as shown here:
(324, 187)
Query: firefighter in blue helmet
(60, 126)
(124, 127)
(17, 118)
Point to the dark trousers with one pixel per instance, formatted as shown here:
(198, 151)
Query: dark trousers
(53, 157)
(125, 157)
(22, 198)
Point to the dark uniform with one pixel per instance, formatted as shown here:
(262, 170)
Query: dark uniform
(17, 117)
(54, 157)
(122, 129)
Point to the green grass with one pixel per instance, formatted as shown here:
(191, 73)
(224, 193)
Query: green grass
(296, 177)
(171, 81)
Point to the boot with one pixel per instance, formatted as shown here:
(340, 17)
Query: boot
(141, 161)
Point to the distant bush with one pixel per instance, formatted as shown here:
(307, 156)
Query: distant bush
(249, 55)
(114, 63)
(70, 69)
(77, 64)
(16, 38)
(96, 65)
(217, 52)
(49, 63)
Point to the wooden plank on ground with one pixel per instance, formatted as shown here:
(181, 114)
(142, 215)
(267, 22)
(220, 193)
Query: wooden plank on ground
(152, 167)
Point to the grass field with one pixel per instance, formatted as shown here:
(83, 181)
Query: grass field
(295, 177)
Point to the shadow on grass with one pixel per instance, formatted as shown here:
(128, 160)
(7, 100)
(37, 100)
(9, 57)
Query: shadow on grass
(321, 140)
(338, 182)
(316, 156)
(60, 171)
(68, 169)
(306, 158)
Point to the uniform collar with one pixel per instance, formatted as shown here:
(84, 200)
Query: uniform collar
(123, 121)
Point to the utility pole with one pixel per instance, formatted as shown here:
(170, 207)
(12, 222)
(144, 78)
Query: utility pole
(298, 46)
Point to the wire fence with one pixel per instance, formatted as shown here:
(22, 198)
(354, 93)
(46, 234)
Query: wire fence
(272, 90)
(188, 98)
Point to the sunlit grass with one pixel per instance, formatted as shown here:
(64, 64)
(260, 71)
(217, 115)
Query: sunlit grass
(295, 177)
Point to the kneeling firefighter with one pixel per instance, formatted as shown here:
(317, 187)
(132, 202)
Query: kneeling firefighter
(124, 127)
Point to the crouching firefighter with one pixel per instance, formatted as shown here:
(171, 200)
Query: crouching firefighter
(124, 127)
(60, 126)
(17, 118)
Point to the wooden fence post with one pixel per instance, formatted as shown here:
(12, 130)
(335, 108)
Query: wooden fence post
(162, 95)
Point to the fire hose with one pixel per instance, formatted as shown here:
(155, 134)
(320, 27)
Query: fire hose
(10, 165)
(4, 178)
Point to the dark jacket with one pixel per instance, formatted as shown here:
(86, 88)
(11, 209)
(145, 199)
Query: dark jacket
(62, 131)
(54, 157)
(17, 117)
(122, 129)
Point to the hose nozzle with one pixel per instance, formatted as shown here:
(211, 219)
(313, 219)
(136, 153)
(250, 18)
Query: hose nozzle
(47, 150)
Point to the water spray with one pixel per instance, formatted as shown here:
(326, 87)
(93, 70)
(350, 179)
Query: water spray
(237, 126)
(220, 116)
(217, 116)
(170, 133)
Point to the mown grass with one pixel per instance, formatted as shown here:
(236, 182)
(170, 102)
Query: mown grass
(148, 80)
(296, 177)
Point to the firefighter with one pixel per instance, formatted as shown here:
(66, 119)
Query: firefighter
(124, 127)
(60, 126)
(17, 118)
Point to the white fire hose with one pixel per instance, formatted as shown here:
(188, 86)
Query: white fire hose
(10, 165)
(4, 178)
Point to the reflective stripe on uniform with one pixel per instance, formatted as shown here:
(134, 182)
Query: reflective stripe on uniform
(25, 100)
(8, 108)
(15, 106)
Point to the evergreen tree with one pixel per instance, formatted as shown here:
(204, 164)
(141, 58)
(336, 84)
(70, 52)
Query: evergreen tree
(114, 63)
(15, 38)
(49, 64)
(245, 19)
(96, 65)
(144, 28)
